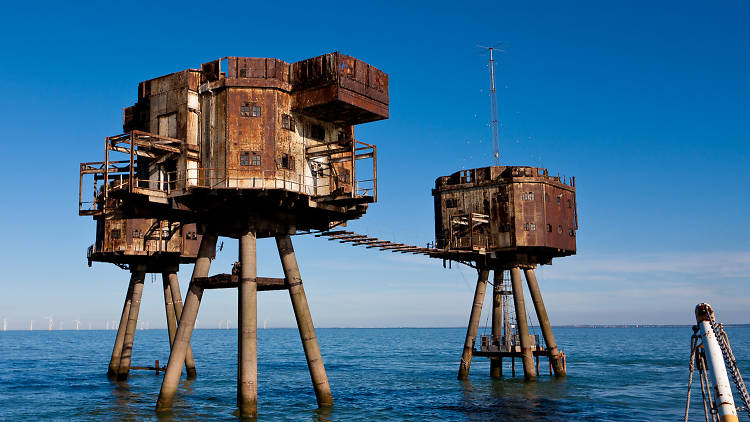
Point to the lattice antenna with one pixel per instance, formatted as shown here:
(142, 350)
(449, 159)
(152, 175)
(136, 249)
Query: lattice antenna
(493, 105)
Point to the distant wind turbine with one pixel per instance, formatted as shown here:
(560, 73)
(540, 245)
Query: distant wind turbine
(5, 324)
(51, 322)
(227, 324)
(78, 322)
(31, 325)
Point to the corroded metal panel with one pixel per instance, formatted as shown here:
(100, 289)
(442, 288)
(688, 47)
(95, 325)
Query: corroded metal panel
(507, 212)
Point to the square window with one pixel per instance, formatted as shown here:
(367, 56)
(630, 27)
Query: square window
(532, 226)
(115, 234)
(451, 203)
(287, 162)
(255, 159)
(558, 199)
(287, 122)
(245, 158)
(531, 196)
(250, 110)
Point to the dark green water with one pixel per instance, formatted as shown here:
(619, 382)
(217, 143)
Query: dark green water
(376, 374)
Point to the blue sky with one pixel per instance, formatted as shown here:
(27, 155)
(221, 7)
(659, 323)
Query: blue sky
(646, 103)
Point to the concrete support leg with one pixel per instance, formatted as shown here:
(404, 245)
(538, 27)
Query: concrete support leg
(471, 330)
(523, 324)
(169, 306)
(114, 362)
(247, 357)
(541, 313)
(123, 369)
(304, 322)
(186, 325)
(177, 301)
(496, 370)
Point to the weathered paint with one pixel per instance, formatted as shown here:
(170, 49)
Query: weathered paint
(506, 211)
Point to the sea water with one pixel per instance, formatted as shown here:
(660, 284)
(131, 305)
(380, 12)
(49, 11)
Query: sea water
(614, 374)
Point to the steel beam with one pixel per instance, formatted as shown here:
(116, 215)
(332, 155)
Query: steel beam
(247, 356)
(169, 307)
(186, 325)
(471, 330)
(496, 370)
(114, 362)
(304, 322)
(123, 369)
(523, 324)
(541, 313)
(177, 300)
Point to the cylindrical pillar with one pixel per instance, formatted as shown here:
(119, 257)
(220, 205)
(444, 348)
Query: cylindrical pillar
(304, 321)
(114, 362)
(186, 324)
(123, 369)
(541, 314)
(471, 330)
(496, 370)
(169, 306)
(247, 356)
(723, 389)
(177, 300)
(523, 325)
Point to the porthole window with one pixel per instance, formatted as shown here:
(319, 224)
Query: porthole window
(549, 228)
(571, 232)
(559, 229)
(558, 199)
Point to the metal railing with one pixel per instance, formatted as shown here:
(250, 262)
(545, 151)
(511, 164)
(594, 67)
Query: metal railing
(121, 176)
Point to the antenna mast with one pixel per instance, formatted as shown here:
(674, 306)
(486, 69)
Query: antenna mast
(493, 107)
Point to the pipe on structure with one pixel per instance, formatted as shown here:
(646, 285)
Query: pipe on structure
(187, 323)
(471, 330)
(139, 275)
(496, 366)
(724, 398)
(523, 325)
(169, 307)
(247, 356)
(114, 361)
(174, 285)
(304, 322)
(541, 313)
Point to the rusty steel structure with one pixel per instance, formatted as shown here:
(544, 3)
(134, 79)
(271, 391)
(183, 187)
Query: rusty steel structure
(142, 246)
(245, 148)
(506, 219)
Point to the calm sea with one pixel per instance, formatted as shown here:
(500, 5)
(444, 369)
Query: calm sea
(376, 374)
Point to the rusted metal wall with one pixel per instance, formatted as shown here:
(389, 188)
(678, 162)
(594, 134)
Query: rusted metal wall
(308, 104)
(526, 209)
(143, 237)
